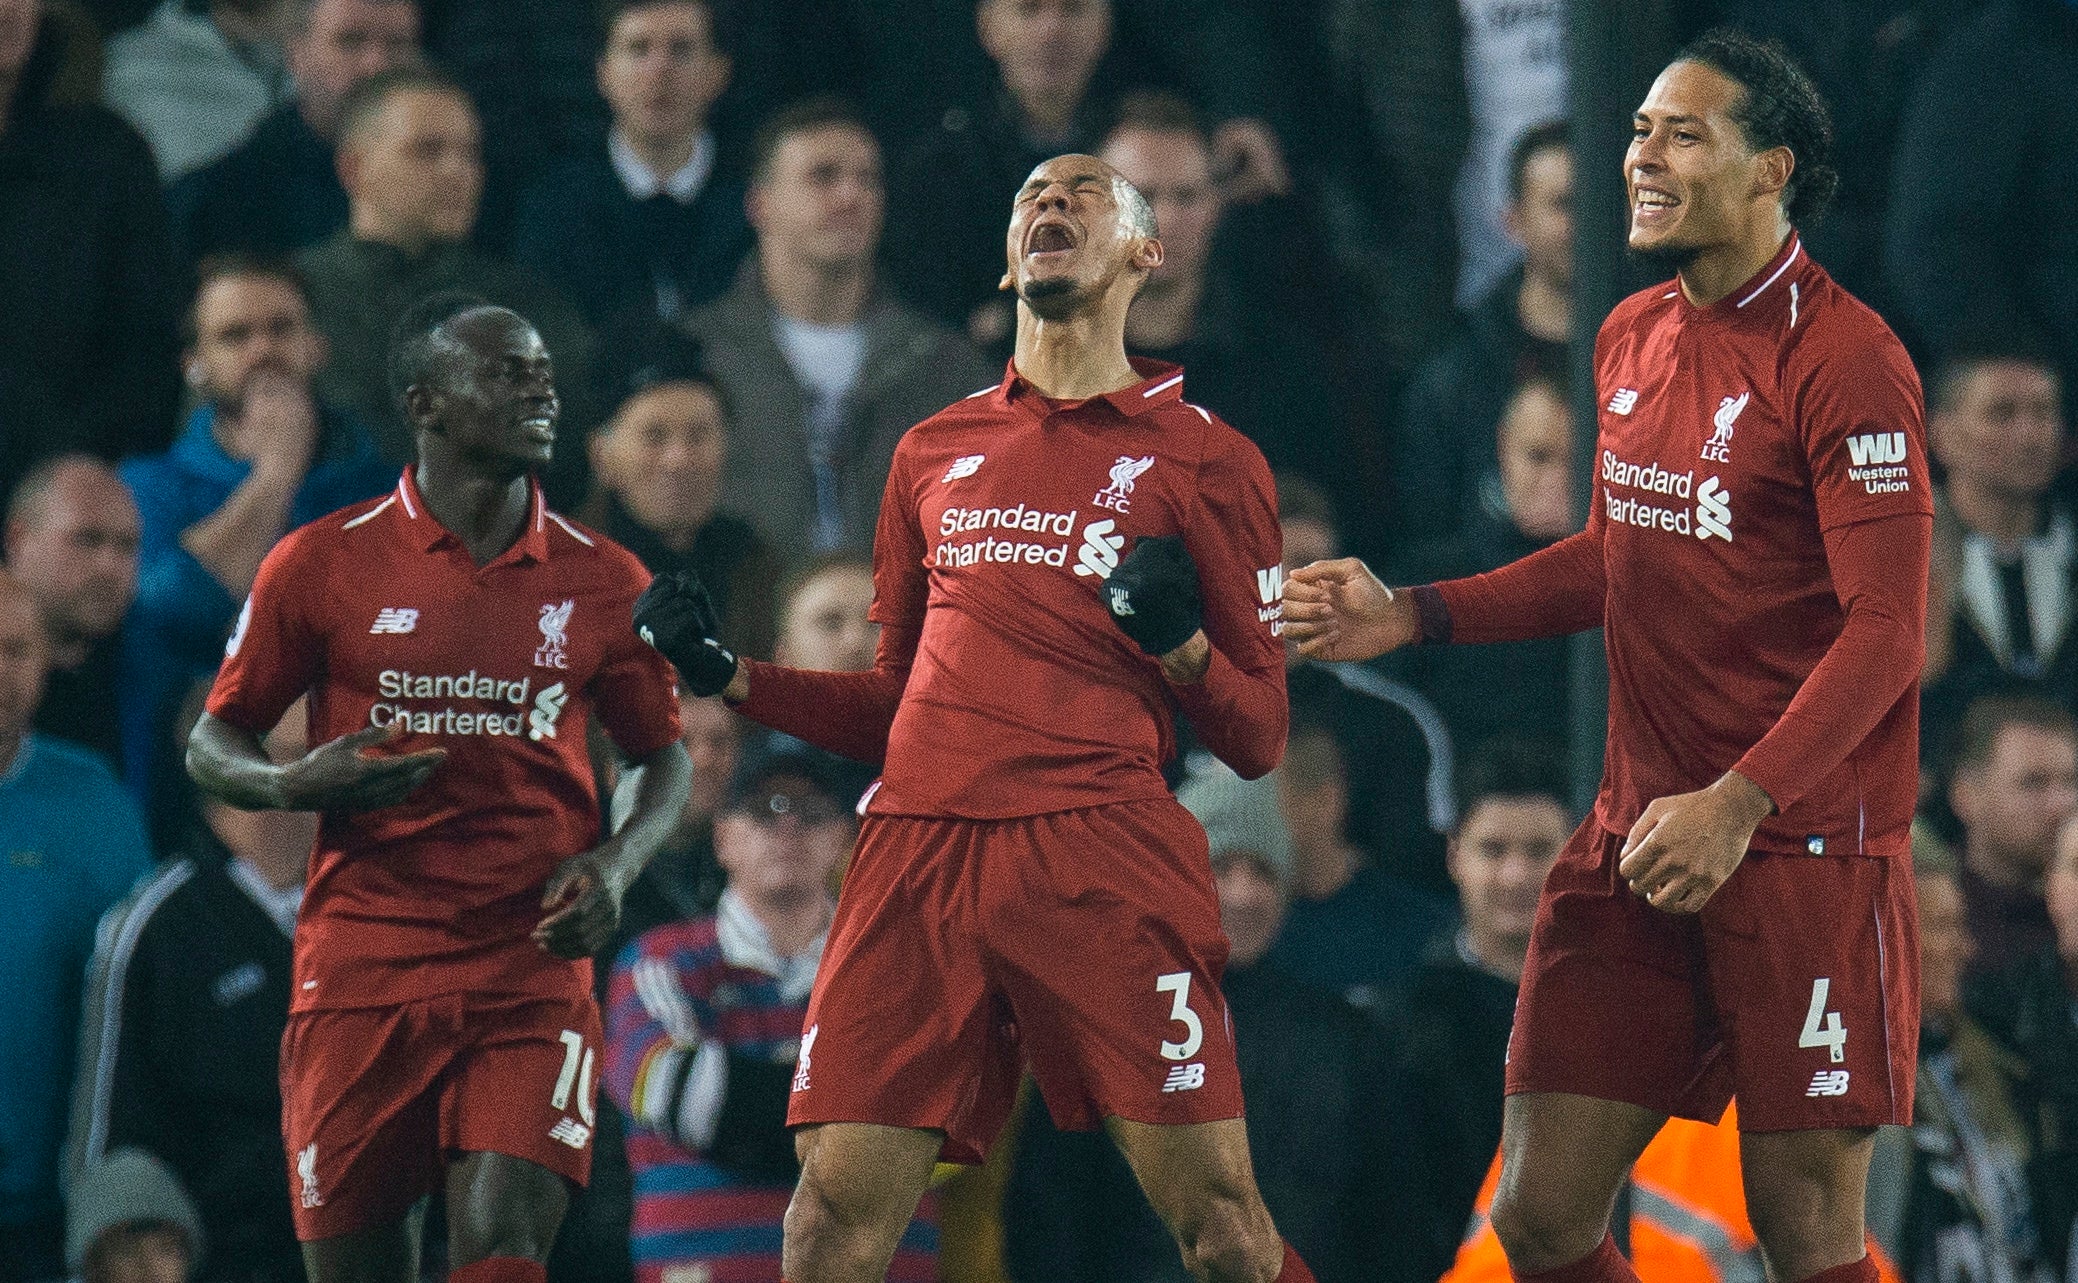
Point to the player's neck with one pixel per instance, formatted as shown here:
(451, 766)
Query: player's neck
(1076, 357)
(1714, 273)
(792, 921)
(486, 513)
(818, 293)
(2005, 518)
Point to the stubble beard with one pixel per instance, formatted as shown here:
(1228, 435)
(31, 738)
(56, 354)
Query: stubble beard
(1053, 299)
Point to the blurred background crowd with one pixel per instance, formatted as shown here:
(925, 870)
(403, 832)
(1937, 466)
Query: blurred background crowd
(761, 239)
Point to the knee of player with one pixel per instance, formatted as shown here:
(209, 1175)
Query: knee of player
(1539, 1233)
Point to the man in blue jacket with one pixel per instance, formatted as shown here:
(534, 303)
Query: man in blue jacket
(259, 457)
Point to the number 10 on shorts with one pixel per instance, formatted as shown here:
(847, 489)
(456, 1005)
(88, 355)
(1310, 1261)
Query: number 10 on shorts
(1822, 1028)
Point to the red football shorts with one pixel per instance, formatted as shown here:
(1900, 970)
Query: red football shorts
(1087, 940)
(376, 1099)
(1796, 987)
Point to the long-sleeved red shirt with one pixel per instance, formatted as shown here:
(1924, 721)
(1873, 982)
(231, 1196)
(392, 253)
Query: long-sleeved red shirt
(1756, 554)
(1003, 687)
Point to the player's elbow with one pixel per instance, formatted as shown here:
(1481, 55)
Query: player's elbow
(1258, 754)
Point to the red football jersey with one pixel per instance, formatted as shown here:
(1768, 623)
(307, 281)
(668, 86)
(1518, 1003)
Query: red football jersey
(381, 615)
(1734, 439)
(1004, 514)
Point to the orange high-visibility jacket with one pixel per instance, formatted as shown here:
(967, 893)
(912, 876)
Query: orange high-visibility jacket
(1688, 1214)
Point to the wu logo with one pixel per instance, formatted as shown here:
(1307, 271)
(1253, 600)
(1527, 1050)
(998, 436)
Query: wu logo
(1876, 448)
(1718, 449)
(1118, 495)
(555, 635)
(1269, 585)
(964, 466)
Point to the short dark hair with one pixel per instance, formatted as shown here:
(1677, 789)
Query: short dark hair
(1990, 716)
(824, 111)
(1300, 499)
(418, 337)
(1511, 767)
(1987, 347)
(364, 100)
(1780, 108)
(218, 267)
(32, 493)
(1158, 112)
(610, 13)
(803, 572)
(1552, 135)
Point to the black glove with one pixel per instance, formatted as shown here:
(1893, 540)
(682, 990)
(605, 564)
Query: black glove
(1154, 594)
(674, 615)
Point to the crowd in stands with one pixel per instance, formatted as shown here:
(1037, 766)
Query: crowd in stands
(761, 240)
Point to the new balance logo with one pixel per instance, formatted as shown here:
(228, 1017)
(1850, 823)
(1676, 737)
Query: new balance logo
(1099, 552)
(548, 706)
(1185, 1078)
(1827, 1082)
(396, 620)
(571, 1132)
(964, 466)
(1872, 448)
(1121, 602)
(1623, 401)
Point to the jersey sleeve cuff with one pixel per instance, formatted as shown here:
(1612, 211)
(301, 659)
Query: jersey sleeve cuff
(1432, 615)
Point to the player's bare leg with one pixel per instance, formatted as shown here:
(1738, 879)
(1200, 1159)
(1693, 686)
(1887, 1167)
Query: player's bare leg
(1563, 1159)
(384, 1254)
(859, 1187)
(502, 1208)
(1805, 1193)
(1201, 1183)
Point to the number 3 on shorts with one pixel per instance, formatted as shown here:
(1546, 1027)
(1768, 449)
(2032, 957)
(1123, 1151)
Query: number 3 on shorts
(1832, 1035)
(1178, 985)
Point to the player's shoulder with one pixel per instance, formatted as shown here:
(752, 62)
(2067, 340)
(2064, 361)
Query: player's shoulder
(354, 531)
(603, 555)
(1642, 308)
(1839, 338)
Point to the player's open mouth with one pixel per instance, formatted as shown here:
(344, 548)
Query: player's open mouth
(1049, 238)
(542, 427)
(1650, 204)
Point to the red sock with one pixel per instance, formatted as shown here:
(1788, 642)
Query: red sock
(1862, 1271)
(499, 1269)
(1294, 1270)
(1603, 1265)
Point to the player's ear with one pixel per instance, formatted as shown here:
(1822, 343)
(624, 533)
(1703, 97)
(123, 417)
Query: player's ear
(1147, 255)
(1772, 171)
(422, 407)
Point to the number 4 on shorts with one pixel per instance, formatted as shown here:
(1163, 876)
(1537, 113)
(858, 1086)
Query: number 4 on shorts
(1830, 1034)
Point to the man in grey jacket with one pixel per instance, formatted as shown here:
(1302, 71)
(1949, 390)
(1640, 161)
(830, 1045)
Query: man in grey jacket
(822, 369)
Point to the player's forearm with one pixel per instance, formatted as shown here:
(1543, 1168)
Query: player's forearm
(230, 764)
(1553, 592)
(662, 781)
(1880, 572)
(1241, 716)
(848, 714)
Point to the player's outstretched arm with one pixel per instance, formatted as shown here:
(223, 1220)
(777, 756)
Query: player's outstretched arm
(229, 763)
(1340, 611)
(582, 901)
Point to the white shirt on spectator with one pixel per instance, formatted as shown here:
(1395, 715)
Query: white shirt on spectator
(1515, 77)
(827, 360)
(642, 181)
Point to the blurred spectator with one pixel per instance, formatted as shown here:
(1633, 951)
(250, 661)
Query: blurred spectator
(1237, 362)
(2032, 1008)
(703, 1028)
(1989, 142)
(279, 190)
(1954, 1184)
(531, 70)
(684, 880)
(1400, 803)
(131, 1222)
(1525, 500)
(1353, 928)
(950, 198)
(657, 478)
(649, 221)
(1396, 97)
(87, 295)
(2015, 784)
(2008, 616)
(74, 845)
(71, 540)
(1449, 1019)
(261, 455)
(1515, 79)
(198, 76)
(822, 368)
(822, 622)
(1514, 333)
(408, 155)
(1321, 1130)
(186, 1002)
